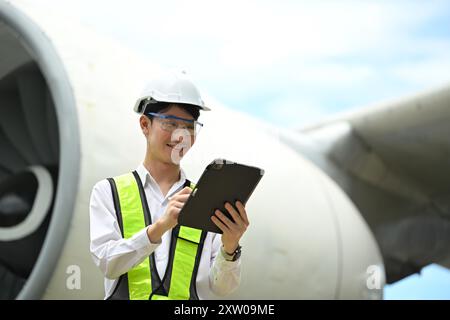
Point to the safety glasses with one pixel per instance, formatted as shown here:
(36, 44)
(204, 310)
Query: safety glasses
(170, 123)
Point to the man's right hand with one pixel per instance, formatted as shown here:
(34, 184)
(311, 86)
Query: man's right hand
(176, 202)
(170, 217)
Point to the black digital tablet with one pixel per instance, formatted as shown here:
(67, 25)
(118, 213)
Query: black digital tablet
(222, 181)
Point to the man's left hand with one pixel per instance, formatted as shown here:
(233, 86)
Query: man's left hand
(232, 231)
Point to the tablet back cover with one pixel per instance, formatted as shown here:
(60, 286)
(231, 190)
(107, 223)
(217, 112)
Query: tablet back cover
(222, 181)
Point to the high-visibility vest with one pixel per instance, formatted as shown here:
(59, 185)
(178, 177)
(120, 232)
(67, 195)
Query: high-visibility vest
(142, 282)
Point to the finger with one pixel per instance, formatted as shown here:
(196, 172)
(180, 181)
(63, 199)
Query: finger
(242, 212)
(178, 204)
(174, 213)
(182, 197)
(185, 190)
(225, 220)
(236, 217)
(219, 224)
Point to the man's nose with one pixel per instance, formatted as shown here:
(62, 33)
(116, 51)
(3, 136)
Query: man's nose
(177, 138)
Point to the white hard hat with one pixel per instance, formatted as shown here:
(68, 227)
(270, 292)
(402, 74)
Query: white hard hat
(170, 87)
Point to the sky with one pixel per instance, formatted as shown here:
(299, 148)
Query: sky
(288, 62)
(432, 283)
(291, 63)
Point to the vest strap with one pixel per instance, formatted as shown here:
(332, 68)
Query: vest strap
(184, 262)
(139, 280)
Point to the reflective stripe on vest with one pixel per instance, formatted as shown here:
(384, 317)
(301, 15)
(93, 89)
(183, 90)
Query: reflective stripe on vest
(185, 258)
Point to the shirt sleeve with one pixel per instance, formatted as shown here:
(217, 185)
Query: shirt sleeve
(113, 254)
(225, 276)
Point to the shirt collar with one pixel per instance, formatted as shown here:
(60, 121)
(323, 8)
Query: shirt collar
(146, 177)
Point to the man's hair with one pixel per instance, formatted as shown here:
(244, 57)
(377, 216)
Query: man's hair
(160, 106)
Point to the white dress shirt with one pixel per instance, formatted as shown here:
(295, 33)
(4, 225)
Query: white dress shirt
(116, 256)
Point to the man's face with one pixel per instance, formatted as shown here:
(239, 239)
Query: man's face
(164, 145)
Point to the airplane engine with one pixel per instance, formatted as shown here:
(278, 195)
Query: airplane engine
(66, 122)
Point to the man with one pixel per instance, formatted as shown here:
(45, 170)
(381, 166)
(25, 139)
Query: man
(135, 237)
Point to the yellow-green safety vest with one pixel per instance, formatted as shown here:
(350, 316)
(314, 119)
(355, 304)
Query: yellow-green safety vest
(142, 282)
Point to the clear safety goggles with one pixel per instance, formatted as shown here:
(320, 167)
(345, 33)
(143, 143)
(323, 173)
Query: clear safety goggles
(170, 123)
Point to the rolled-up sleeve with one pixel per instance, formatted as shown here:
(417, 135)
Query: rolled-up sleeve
(110, 252)
(225, 276)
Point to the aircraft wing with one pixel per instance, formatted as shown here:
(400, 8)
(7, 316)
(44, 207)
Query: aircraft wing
(393, 160)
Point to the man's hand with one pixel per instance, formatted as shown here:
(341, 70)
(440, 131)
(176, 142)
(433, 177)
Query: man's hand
(232, 231)
(170, 217)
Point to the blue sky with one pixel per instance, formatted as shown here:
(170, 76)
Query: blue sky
(432, 283)
(288, 62)
(292, 62)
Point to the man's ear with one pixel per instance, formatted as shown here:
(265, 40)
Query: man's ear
(145, 124)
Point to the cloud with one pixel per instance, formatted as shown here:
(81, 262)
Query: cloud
(294, 113)
(253, 53)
